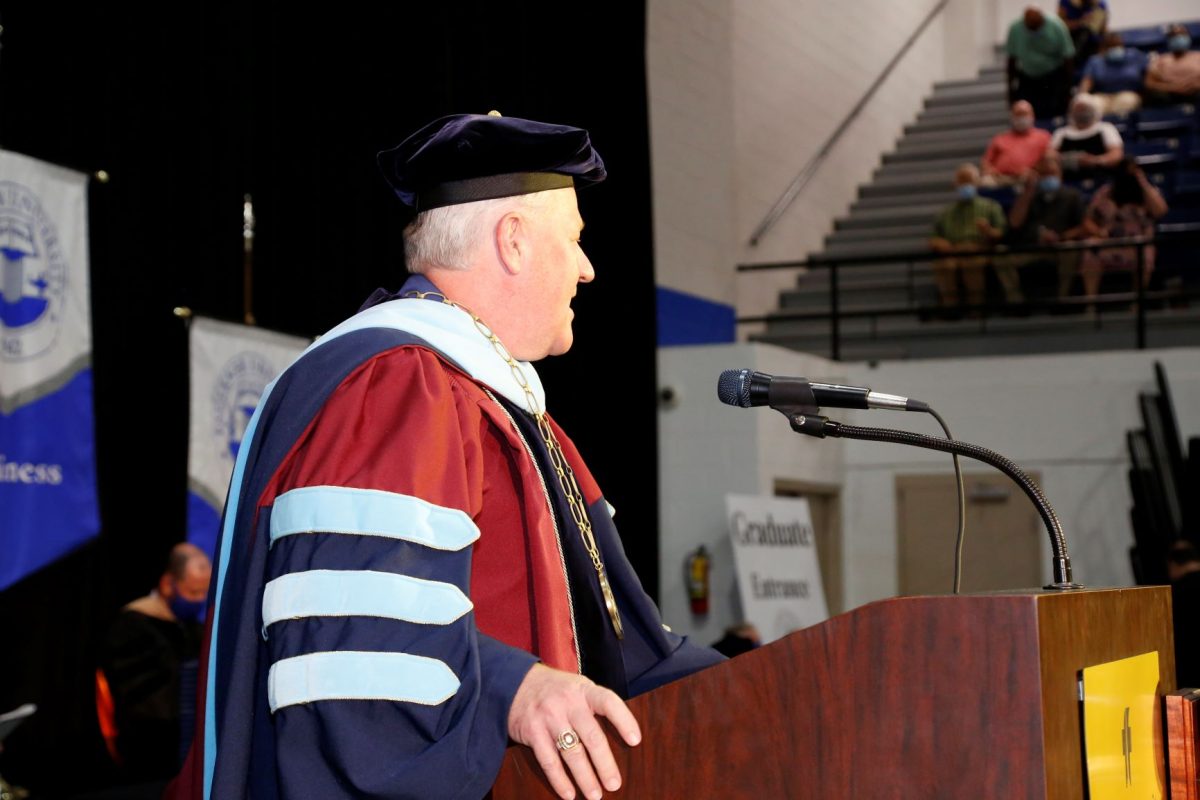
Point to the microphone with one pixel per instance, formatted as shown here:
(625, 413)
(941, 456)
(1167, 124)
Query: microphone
(741, 387)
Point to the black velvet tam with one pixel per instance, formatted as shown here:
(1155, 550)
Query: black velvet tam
(468, 157)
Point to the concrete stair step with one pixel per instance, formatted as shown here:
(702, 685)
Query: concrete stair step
(923, 214)
(938, 198)
(877, 247)
(978, 110)
(983, 79)
(817, 279)
(842, 236)
(965, 150)
(907, 184)
(995, 122)
(988, 93)
(895, 293)
(908, 337)
(934, 166)
(979, 135)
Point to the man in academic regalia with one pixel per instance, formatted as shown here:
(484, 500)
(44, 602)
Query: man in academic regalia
(416, 565)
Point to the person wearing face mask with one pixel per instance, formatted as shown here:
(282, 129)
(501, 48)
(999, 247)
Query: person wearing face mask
(965, 228)
(1115, 76)
(1089, 146)
(1040, 53)
(142, 660)
(1174, 76)
(1126, 207)
(1015, 151)
(1046, 213)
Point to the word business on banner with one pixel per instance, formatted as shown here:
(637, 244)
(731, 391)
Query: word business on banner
(48, 503)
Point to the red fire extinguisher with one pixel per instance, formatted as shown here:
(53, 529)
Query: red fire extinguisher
(698, 564)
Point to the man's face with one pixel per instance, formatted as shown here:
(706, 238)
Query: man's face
(1022, 116)
(193, 586)
(558, 266)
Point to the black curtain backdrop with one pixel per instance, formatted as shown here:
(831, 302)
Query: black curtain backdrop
(188, 108)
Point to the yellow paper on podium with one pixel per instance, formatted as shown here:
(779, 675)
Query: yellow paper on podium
(1119, 700)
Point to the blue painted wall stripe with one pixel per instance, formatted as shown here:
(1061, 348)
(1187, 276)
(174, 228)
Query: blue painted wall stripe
(687, 319)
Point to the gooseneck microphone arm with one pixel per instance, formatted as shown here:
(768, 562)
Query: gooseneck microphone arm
(815, 425)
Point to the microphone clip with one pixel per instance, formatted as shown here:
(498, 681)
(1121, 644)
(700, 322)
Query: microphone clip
(811, 423)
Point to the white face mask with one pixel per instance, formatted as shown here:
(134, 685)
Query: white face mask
(1082, 117)
(1021, 124)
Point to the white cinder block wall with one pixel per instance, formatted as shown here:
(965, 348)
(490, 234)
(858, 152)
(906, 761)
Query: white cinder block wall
(1064, 416)
(690, 83)
(743, 93)
(1123, 15)
(710, 450)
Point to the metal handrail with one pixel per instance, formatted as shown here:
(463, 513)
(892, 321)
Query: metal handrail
(835, 315)
(806, 173)
(925, 254)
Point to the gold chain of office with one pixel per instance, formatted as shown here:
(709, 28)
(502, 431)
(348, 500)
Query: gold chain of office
(566, 475)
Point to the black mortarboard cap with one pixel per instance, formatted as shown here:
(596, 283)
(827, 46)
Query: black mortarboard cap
(468, 157)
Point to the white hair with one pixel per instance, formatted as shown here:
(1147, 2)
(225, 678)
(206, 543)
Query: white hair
(1089, 100)
(447, 237)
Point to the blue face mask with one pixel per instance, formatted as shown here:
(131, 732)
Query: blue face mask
(1050, 184)
(1115, 53)
(188, 610)
(1179, 43)
(967, 192)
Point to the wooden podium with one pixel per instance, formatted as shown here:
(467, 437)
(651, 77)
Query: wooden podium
(969, 696)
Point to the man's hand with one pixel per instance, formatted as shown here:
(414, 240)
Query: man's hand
(550, 702)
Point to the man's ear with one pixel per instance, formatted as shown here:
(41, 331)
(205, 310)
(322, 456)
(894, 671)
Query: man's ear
(512, 245)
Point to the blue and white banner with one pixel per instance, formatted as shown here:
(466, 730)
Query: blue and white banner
(47, 440)
(231, 365)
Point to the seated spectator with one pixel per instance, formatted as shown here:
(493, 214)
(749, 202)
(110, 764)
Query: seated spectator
(1039, 62)
(142, 660)
(1046, 213)
(1174, 76)
(1014, 152)
(1126, 207)
(1115, 76)
(1087, 20)
(967, 227)
(1089, 146)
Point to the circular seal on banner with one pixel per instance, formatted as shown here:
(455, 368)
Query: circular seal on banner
(33, 275)
(239, 385)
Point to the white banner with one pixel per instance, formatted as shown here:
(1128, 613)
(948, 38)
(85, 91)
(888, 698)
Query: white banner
(775, 553)
(47, 459)
(230, 366)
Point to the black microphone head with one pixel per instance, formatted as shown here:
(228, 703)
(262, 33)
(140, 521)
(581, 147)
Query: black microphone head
(733, 387)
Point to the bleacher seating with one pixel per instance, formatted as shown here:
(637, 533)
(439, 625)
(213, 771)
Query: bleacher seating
(894, 212)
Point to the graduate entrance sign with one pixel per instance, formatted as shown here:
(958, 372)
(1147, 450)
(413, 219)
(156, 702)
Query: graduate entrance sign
(48, 502)
(778, 577)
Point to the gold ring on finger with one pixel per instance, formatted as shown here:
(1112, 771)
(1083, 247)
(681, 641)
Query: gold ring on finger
(567, 740)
